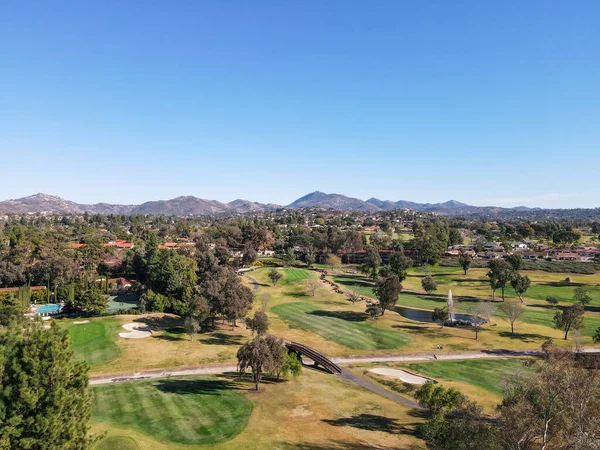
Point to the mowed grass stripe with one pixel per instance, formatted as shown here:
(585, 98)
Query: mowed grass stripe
(222, 417)
(349, 333)
(184, 415)
(191, 411)
(174, 428)
(136, 403)
(202, 426)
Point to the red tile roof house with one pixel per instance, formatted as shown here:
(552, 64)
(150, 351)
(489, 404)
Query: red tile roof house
(570, 256)
(16, 289)
(120, 243)
(185, 244)
(455, 252)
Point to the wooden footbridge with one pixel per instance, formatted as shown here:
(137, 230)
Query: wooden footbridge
(317, 357)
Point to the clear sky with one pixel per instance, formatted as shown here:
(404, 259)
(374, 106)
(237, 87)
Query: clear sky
(128, 101)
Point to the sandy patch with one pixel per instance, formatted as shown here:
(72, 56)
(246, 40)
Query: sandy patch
(300, 411)
(136, 331)
(46, 327)
(402, 375)
(80, 322)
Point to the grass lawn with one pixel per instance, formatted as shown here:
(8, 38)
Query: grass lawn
(169, 346)
(313, 411)
(347, 328)
(94, 342)
(486, 374)
(291, 276)
(469, 288)
(564, 292)
(479, 379)
(303, 325)
(192, 411)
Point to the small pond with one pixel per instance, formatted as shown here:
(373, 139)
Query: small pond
(421, 315)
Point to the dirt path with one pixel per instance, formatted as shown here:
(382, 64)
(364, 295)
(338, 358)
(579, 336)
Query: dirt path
(163, 373)
(355, 379)
(254, 283)
(221, 368)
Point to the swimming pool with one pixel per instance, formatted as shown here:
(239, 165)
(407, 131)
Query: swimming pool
(49, 308)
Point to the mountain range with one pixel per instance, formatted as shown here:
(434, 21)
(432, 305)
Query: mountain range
(194, 206)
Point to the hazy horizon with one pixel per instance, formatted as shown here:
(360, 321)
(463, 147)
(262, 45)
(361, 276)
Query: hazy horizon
(280, 204)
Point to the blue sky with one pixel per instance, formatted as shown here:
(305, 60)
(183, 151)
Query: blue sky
(482, 102)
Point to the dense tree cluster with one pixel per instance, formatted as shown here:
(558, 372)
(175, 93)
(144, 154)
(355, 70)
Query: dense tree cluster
(73, 258)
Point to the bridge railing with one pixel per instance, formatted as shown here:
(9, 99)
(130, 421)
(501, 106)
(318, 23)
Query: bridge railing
(314, 355)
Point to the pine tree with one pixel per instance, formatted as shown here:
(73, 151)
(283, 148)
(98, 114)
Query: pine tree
(45, 401)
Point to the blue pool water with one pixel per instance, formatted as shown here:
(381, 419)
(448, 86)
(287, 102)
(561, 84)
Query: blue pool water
(50, 308)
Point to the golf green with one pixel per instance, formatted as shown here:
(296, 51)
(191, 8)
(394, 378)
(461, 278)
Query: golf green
(95, 342)
(190, 411)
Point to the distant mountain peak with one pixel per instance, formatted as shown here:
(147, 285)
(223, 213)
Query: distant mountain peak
(187, 205)
(320, 199)
(454, 204)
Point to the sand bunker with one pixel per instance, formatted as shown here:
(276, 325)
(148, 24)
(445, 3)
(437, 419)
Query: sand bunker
(80, 322)
(136, 331)
(400, 374)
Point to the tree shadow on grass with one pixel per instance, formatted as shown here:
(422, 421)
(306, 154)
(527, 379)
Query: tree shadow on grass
(167, 337)
(161, 323)
(431, 297)
(174, 330)
(552, 309)
(442, 298)
(223, 339)
(213, 386)
(243, 380)
(372, 422)
(296, 294)
(432, 332)
(350, 282)
(350, 316)
(561, 283)
(524, 337)
(469, 280)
